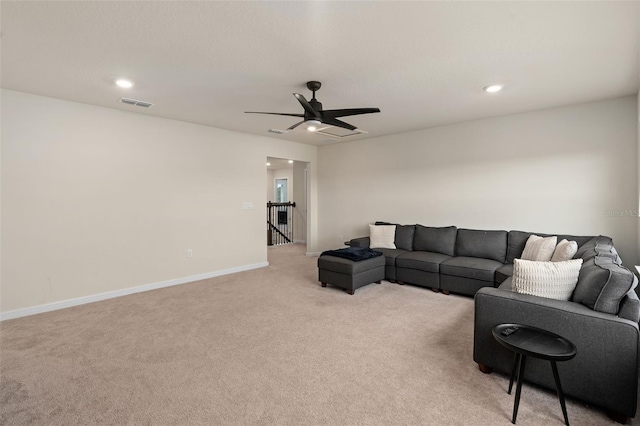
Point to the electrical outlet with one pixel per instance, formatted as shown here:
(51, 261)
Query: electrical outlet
(189, 253)
(341, 238)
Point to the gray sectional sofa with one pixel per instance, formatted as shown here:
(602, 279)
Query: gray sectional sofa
(601, 318)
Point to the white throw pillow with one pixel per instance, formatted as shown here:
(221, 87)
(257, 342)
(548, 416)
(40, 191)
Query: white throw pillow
(382, 236)
(539, 249)
(565, 250)
(555, 280)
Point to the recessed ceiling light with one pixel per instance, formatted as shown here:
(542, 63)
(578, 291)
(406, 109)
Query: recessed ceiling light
(290, 161)
(125, 84)
(493, 88)
(268, 164)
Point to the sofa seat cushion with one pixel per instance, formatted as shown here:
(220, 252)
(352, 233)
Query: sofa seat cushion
(504, 272)
(471, 267)
(421, 260)
(390, 255)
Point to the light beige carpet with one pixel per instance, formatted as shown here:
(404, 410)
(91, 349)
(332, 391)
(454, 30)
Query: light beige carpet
(269, 346)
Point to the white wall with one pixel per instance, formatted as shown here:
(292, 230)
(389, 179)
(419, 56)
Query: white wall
(300, 198)
(270, 195)
(97, 200)
(556, 171)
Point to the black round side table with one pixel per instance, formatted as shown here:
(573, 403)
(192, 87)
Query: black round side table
(526, 341)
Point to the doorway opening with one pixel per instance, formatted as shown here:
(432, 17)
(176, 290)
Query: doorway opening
(287, 183)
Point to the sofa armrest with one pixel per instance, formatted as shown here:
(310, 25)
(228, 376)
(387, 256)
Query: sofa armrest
(630, 307)
(507, 300)
(605, 370)
(360, 242)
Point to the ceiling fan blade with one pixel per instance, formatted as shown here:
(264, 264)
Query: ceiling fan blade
(295, 125)
(338, 123)
(333, 113)
(307, 106)
(275, 113)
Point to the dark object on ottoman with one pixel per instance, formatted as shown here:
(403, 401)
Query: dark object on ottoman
(348, 274)
(353, 253)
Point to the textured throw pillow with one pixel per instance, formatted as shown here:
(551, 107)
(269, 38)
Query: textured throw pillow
(555, 280)
(382, 236)
(404, 235)
(565, 250)
(539, 249)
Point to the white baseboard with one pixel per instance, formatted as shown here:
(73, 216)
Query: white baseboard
(313, 253)
(300, 241)
(54, 306)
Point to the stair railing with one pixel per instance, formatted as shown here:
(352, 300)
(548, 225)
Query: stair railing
(279, 223)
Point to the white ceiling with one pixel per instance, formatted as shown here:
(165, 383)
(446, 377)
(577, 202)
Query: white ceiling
(422, 63)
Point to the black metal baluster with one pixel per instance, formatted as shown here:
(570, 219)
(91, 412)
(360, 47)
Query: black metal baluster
(279, 223)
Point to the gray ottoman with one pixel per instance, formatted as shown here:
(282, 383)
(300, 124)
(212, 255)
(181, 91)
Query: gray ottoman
(350, 275)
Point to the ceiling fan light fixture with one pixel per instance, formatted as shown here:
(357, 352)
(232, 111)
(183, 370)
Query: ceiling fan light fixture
(313, 125)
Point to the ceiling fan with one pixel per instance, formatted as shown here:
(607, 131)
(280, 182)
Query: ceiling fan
(314, 116)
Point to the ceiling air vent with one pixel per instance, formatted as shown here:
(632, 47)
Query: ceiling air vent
(136, 102)
(339, 133)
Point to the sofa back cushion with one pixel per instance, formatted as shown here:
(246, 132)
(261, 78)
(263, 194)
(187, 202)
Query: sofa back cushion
(438, 240)
(588, 250)
(515, 244)
(483, 244)
(599, 246)
(518, 239)
(404, 235)
(602, 284)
